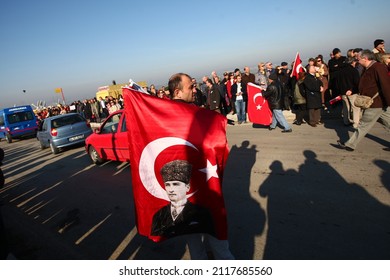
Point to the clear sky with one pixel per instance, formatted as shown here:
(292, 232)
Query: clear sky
(84, 44)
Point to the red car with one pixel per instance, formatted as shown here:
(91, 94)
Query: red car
(109, 142)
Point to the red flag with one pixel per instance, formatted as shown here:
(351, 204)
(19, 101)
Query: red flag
(297, 68)
(258, 109)
(162, 132)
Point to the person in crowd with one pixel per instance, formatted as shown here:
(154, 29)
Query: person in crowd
(198, 101)
(385, 59)
(374, 80)
(348, 84)
(310, 62)
(203, 88)
(152, 90)
(349, 53)
(313, 88)
(114, 106)
(247, 77)
(222, 91)
(87, 110)
(273, 94)
(299, 100)
(269, 69)
(213, 96)
(284, 78)
(334, 65)
(260, 77)
(322, 73)
(379, 46)
(359, 67)
(94, 110)
(239, 98)
(103, 110)
(231, 81)
(213, 76)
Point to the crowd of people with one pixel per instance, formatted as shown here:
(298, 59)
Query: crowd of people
(313, 91)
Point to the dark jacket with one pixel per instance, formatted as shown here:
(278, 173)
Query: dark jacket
(193, 219)
(213, 98)
(273, 94)
(349, 79)
(312, 92)
(375, 79)
(244, 92)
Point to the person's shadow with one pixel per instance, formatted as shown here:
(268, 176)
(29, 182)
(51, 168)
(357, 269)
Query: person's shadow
(316, 214)
(385, 176)
(246, 218)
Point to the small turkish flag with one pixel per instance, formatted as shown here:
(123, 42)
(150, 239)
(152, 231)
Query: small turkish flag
(178, 153)
(258, 109)
(297, 68)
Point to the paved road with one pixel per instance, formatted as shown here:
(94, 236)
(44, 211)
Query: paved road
(288, 196)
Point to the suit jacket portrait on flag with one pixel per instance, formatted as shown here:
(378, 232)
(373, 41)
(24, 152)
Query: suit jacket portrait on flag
(193, 219)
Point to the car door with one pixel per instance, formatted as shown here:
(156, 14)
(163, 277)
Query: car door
(43, 134)
(111, 140)
(122, 140)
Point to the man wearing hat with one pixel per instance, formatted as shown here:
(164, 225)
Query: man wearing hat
(180, 216)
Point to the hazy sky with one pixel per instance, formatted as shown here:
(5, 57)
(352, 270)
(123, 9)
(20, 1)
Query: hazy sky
(82, 45)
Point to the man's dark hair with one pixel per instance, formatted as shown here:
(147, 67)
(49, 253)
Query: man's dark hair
(175, 83)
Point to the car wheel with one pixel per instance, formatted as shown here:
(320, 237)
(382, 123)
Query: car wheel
(8, 137)
(42, 146)
(94, 155)
(54, 149)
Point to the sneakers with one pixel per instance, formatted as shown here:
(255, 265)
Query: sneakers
(341, 145)
(287, 131)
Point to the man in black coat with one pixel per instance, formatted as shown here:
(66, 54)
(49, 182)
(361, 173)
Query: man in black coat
(313, 88)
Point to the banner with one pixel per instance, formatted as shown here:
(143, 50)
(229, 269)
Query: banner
(58, 90)
(178, 153)
(258, 109)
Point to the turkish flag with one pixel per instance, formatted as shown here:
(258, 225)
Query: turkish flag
(297, 68)
(258, 109)
(162, 132)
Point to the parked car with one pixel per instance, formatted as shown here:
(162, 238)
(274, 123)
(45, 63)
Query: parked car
(63, 131)
(109, 142)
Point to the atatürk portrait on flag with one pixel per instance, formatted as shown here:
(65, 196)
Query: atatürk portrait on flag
(180, 216)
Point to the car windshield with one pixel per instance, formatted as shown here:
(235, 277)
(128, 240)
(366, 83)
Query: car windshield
(66, 120)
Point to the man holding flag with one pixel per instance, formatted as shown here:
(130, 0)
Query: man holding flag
(176, 133)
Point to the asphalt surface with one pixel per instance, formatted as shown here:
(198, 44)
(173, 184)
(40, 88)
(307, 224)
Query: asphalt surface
(288, 196)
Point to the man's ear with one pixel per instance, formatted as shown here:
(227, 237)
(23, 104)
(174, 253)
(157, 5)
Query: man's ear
(188, 187)
(177, 93)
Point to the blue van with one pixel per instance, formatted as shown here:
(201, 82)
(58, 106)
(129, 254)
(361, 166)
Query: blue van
(17, 122)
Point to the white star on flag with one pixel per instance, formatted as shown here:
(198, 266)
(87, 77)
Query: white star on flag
(210, 170)
(258, 107)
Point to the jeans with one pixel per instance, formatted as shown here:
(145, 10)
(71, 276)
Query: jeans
(240, 110)
(278, 117)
